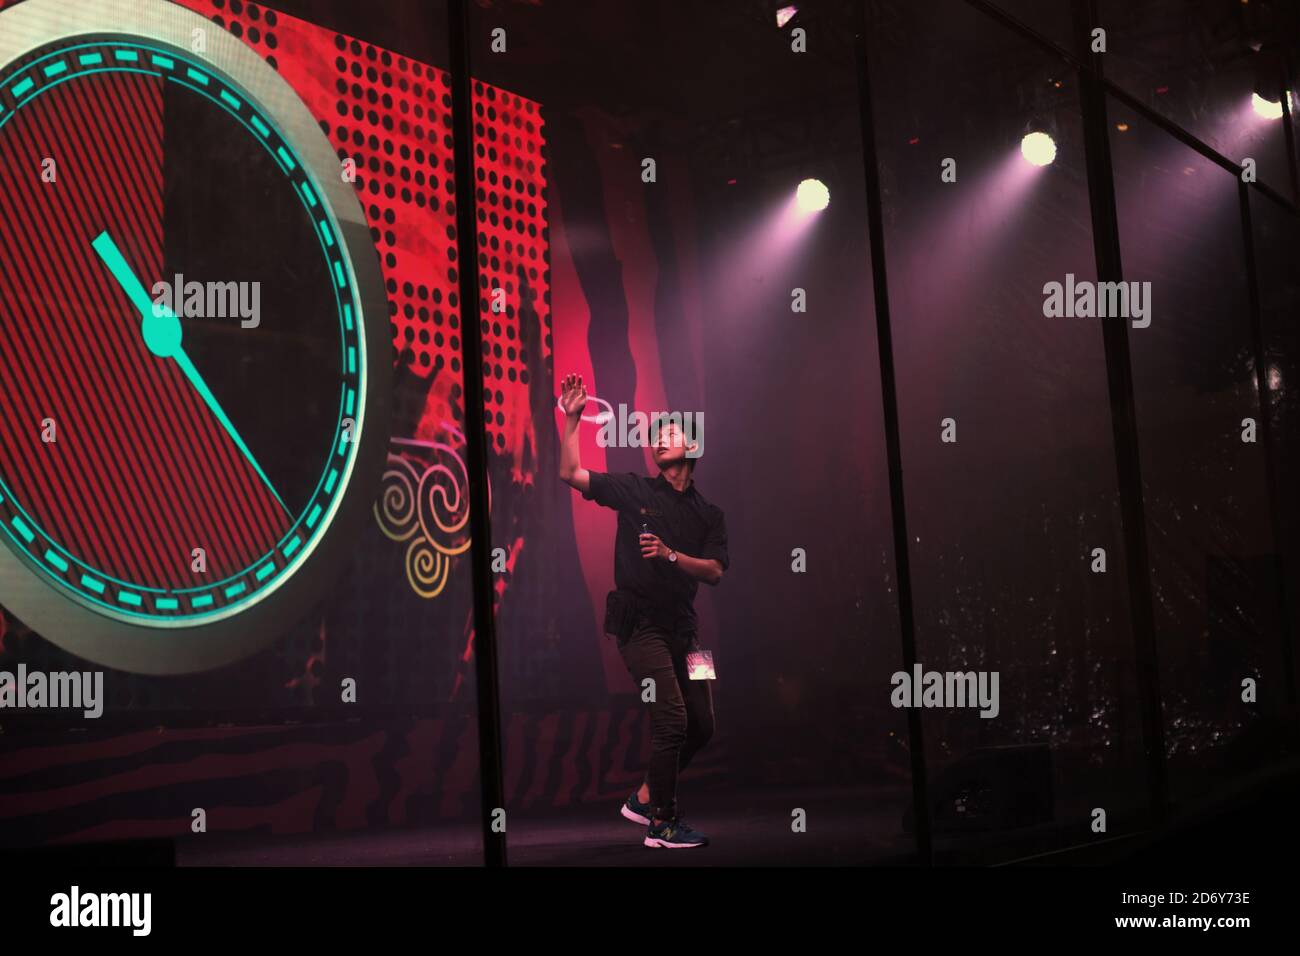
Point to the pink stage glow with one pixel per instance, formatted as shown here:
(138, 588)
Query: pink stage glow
(1248, 128)
(785, 15)
(753, 268)
(965, 235)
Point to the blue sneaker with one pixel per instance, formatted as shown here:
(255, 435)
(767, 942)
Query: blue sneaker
(635, 810)
(674, 835)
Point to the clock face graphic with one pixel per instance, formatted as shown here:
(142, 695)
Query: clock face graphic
(194, 353)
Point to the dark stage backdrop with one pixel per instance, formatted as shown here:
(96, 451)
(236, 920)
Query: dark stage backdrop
(676, 295)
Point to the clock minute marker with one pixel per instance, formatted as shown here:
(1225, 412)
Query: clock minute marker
(162, 333)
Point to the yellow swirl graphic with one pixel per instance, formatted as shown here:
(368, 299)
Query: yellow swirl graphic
(447, 508)
(396, 509)
(426, 569)
(427, 504)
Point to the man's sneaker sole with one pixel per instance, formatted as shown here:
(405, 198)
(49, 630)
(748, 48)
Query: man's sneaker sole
(635, 817)
(657, 843)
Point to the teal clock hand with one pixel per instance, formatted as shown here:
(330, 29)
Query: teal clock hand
(205, 393)
(162, 334)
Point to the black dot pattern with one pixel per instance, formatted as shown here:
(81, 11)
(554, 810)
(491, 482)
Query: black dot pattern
(391, 117)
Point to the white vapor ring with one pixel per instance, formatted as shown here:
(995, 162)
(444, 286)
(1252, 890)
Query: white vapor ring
(599, 418)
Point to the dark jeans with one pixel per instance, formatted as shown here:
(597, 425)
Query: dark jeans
(681, 715)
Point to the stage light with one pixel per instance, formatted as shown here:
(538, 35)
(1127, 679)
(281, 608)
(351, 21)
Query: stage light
(1267, 87)
(785, 15)
(812, 195)
(1039, 149)
(1269, 109)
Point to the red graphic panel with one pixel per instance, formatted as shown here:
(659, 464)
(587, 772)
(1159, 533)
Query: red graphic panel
(392, 117)
(128, 429)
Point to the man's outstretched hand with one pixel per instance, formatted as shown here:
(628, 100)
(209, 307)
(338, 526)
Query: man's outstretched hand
(573, 395)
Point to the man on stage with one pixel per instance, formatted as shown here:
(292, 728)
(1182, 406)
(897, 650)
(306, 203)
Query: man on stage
(669, 539)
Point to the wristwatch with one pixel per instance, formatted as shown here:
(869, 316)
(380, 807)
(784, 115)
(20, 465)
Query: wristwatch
(672, 555)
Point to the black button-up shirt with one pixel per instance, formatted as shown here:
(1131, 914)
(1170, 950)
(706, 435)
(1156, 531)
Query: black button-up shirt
(683, 520)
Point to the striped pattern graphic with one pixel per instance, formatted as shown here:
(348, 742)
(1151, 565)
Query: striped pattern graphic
(141, 472)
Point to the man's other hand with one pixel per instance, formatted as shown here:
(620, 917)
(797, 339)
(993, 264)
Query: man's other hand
(652, 547)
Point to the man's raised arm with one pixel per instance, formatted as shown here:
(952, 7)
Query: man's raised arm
(573, 399)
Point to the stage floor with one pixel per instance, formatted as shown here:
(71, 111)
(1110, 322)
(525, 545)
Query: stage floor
(844, 827)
